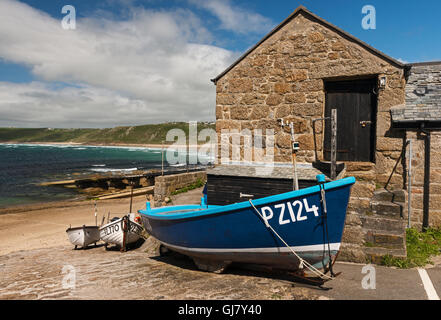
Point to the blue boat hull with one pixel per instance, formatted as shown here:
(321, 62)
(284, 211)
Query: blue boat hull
(236, 233)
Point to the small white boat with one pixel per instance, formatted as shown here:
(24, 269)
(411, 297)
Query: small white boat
(83, 236)
(121, 231)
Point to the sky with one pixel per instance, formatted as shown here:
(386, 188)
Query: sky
(133, 62)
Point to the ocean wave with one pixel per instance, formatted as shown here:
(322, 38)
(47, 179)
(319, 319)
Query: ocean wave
(113, 170)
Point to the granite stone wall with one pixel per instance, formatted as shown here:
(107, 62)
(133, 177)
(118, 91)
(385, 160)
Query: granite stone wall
(418, 153)
(166, 185)
(284, 78)
(423, 100)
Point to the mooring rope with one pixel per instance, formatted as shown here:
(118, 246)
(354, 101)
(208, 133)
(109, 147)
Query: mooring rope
(325, 227)
(302, 261)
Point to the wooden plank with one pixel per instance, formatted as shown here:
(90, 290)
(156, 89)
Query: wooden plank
(125, 194)
(223, 190)
(355, 101)
(57, 183)
(333, 144)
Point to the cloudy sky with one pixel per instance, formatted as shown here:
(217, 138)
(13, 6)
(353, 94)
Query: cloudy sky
(131, 62)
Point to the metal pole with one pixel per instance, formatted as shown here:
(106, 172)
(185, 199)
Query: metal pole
(294, 157)
(333, 144)
(315, 142)
(426, 195)
(409, 185)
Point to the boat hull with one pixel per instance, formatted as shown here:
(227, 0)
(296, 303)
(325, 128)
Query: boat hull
(236, 233)
(83, 236)
(113, 232)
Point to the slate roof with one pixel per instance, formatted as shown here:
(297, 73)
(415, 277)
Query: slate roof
(423, 97)
(278, 171)
(413, 113)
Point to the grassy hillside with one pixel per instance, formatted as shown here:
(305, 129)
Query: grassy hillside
(146, 134)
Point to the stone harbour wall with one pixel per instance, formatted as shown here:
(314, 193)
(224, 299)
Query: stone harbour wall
(166, 185)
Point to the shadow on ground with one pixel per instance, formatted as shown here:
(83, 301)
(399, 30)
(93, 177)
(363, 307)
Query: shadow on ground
(185, 262)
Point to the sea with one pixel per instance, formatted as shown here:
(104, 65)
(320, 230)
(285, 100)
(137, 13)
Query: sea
(23, 167)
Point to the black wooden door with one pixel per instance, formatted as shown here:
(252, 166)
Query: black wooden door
(356, 104)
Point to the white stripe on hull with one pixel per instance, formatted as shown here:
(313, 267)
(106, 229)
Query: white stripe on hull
(318, 247)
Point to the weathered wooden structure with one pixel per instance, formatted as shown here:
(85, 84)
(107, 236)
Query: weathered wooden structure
(234, 183)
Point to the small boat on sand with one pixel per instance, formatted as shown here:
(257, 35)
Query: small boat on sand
(83, 236)
(293, 231)
(121, 231)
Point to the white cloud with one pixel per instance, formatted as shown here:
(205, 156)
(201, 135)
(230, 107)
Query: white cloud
(38, 105)
(154, 66)
(234, 18)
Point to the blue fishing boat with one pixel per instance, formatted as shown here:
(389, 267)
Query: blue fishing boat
(291, 231)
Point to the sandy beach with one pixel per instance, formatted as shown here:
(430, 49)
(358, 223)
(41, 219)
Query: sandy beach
(35, 254)
(44, 225)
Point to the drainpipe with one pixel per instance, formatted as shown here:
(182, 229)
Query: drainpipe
(426, 194)
(409, 185)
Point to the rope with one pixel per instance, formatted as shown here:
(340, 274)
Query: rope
(325, 222)
(302, 261)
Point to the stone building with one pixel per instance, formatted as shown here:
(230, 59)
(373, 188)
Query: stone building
(304, 68)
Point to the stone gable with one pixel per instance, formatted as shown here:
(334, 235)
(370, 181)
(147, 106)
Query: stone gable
(284, 78)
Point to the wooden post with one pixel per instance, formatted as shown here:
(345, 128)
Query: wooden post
(333, 144)
(96, 213)
(131, 197)
(162, 158)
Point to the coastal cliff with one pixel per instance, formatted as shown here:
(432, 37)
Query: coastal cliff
(144, 134)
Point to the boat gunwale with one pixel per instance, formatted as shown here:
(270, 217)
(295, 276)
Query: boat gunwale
(214, 210)
(83, 227)
(117, 221)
